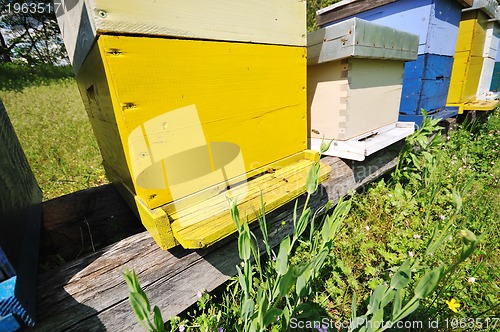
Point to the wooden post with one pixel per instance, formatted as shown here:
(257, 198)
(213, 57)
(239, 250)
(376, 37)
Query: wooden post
(20, 216)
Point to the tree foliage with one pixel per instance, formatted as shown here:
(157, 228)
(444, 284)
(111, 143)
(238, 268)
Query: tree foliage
(312, 7)
(29, 33)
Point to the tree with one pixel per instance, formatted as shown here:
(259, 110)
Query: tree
(30, 33)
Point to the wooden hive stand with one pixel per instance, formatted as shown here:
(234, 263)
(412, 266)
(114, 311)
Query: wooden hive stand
(20, 219)
(475, 58)
(355, 71)
(426, 79)
(194, 104)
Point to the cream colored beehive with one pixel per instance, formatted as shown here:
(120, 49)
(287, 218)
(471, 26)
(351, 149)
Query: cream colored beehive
(354, 80)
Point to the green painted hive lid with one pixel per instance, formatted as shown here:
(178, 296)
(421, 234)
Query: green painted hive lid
(362, 39)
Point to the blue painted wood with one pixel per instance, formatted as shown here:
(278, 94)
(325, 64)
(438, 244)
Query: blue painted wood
(426, 83)
(434, 21)
(9, 323)
(20, 219)
(495, 80)
(442, 115)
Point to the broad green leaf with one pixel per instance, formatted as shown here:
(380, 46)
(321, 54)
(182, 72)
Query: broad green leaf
(286, 282)
(313, 179)
(388, 297)
(325, 145)
(247, 309)
(354, 305)
(401, 278)
(271, 316)
(377, 320)
(243, 282)
(407, 310)
(158, 319)
(428, 283)
(282, 259)
(139, 305)
(398, 302)
(244, 246)
(376, 298)
(300, 285)
(302, 223)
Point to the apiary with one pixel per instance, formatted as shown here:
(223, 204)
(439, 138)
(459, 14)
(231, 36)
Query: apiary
(473, 61)
(426, 79)
(355, 73)
(188, 101)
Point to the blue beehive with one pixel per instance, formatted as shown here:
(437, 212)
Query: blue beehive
(495, 80)
(427, 79)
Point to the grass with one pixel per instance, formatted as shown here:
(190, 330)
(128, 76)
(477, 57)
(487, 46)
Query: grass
(439, 215)
(48, 115)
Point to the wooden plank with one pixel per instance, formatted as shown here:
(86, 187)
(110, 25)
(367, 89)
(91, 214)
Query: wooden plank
(341, 97)
(339, 10)
(20, 216)
(435, 22)
(359, 38)
(209, 222)
(358, 148)
(256, 87)
(89, 294)
(280, 22)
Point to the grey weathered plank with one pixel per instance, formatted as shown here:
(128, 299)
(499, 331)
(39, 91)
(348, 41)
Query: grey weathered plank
(347, 8)
(90, 293)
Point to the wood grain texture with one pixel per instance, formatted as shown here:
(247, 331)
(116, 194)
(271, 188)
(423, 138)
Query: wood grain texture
(426, 83)
(237, 92)
(346, 9)
(280, 22)
(435, 22)
(468, 58)
(359, 38)
(89, 294)
(342, 108)
(20, 216)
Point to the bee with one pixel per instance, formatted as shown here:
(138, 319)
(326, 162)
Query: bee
(315, 131)
(271, 170)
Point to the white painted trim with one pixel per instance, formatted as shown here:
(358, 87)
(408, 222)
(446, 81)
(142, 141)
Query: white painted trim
(364, 145)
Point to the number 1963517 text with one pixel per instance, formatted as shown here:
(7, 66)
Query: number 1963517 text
(29, 8)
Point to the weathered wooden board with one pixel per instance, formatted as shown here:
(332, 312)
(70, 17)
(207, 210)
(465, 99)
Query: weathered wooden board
(89, 294)
(434, 21)
(20, 216)
(280, 22)
(359, 38)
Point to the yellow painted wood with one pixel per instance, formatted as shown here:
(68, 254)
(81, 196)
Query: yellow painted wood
(251, 97)
(280, 22)
(468, 58)
(210, 221)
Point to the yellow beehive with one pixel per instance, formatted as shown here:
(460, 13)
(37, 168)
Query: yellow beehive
(180, 121)
(468, 60)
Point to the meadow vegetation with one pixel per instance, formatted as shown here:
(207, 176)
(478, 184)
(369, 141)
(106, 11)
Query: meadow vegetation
(422, 244)
(419, 247)
(48, 115)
